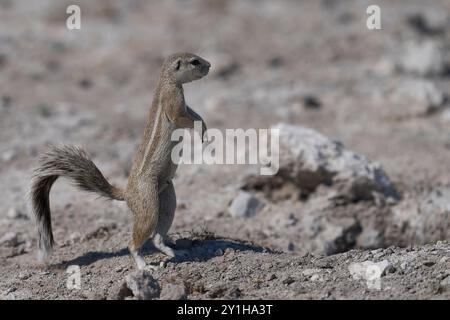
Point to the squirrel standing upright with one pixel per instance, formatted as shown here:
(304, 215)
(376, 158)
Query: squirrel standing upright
(149, 193)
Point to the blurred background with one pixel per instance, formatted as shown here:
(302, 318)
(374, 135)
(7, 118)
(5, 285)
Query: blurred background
(315, 64)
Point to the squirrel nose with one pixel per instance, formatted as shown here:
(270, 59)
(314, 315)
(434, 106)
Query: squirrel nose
(207, 64)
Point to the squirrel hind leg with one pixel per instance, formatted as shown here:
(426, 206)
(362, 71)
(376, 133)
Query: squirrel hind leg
(43, 256)
(158, 242)
(138, 258)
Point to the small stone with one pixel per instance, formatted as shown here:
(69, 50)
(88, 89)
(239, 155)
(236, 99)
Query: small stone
(181, 206)
(271, 277)
(310, 272)
(275, 62)
(445, 283)
(370, 269)
(416, 97)
(91, 295)
(85, 83)
(9, 155)
(23, 276)
(124, 292)
(311, 102)
(445, 115)
(143, 285)
(429, 23)
(287, 280)
(75, 236)
(423, 58)
(173, 292)
(3, 60)
(14, 213)
(245, 205)
(315, 277)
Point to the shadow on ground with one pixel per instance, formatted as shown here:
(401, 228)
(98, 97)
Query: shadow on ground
(199, 251)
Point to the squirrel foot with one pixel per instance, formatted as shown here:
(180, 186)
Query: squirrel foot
(161, 246)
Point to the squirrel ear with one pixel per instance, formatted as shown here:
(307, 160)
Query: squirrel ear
(176, 64)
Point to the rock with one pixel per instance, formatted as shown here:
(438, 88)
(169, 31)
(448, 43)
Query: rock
(5, 100)
(275, 62)
(429, 23)
(445, 116)
(421, 218)
(92, 295)
(369, 269)
(316, 277)
(287, 280)
(416, 97)
(10, 239)
(9, 155)
(311, 102)
(308, 159)
(173, 292)
(422, 58)
(142, 285)
(123, 292)
(310, 272)
(339, 236)
(14, 213)
(445, 284)
(271, 277)
(245, 205)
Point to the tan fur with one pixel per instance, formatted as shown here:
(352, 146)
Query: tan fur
(149, 193)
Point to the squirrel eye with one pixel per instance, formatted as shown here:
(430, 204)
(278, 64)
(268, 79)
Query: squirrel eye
(195, 62)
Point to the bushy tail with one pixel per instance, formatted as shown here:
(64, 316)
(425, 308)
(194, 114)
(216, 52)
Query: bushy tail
(75, 164)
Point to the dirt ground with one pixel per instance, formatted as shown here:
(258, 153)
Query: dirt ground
(381, 93)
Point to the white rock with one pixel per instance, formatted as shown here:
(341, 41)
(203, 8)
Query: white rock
(445, 115)
(143, 285)
(316, 277)
(10, 239)
(424, 58)
(9, 155)
(423, 218)
(368, 269)
(416, 97)
(14, 213)
(309, 158)
(245, 205)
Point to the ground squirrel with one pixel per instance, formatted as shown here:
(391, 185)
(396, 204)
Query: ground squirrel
(149, 193)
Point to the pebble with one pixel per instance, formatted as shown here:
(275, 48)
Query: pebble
(245, 205)
(173, 292)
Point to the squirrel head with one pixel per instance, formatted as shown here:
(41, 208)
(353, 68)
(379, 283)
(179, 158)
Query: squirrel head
(185, 67)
